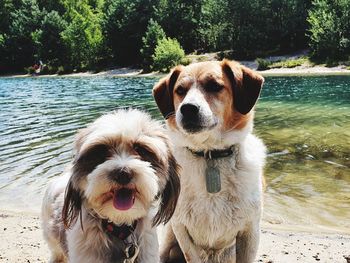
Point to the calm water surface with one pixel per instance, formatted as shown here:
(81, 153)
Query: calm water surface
(304, 121)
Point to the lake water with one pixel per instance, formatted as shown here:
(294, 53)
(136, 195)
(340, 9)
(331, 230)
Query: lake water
(304, 121)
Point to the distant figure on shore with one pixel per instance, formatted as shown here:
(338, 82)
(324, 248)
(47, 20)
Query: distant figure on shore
(38, 67)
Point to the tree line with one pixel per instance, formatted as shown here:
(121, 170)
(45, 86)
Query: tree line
(94, 34)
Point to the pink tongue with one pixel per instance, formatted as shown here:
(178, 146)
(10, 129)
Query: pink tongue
(123, 199)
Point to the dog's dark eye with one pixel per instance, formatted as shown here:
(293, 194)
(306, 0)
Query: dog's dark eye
(142, 151)
(213, 87)
(181, 91)
(93, 157)
(146, 154)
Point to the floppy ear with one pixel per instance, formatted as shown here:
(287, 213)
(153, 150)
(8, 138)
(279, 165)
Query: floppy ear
(170, 194)
(246, 85)
(72, 198)
(163, 92)
(71, 206)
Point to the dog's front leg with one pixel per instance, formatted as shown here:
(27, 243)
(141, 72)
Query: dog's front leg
(247, 243)
(189, 250)
(168, 241)
(148, 247)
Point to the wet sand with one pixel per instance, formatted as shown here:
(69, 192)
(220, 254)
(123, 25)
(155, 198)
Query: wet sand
(22, 241)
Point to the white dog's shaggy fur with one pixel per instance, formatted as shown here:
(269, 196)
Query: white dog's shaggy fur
(209, 106)
(124, 174)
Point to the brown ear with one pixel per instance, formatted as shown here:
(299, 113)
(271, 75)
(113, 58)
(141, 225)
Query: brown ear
(72, 205)
(170, 194)
(163, 92)
(246, 85)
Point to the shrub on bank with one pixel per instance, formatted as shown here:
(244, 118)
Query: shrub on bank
(153, 34)
(30, 70)
(288, 63)
(185, 61)
(167, 54)
(263, 64)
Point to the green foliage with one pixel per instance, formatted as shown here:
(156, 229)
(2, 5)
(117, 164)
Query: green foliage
(181, 19)
(50, 45)
(289, 63)
(263, 64)
(51, 69)
(153, 34)
(30, 70)
(185, 61)
(167, 54)
(2, 41)
(61, 70)
(93, 34)
(258, 26)
(52, 5)
(245, 26)
(18, 48)
(214, 29)
(6, 8)
(83, 36)
(124, 25)
(330, 29)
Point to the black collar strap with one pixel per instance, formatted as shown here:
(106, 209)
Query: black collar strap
(214, 154)
(120, 231)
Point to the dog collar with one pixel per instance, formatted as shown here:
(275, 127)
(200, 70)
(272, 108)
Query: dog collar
(214, 154)
(120, 231)
(212, 172)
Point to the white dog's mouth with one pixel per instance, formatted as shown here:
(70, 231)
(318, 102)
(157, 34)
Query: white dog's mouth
(123, 198)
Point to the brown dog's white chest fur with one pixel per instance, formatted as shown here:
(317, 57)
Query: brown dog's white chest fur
(214, 220)
(209, 106)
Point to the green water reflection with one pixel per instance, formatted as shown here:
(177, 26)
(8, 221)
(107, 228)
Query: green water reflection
(305, 122)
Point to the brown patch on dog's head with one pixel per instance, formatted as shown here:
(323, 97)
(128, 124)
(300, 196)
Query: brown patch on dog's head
(84, 163)
(246, 85)
(170, 193)
(72, 205)
(163, 92)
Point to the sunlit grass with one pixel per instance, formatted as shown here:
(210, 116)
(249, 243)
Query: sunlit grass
(264, 64)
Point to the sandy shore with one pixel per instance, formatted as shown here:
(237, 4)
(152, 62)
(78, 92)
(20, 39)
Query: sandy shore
(301, 70)
(21, 241)
(119, 72)
(131, 72)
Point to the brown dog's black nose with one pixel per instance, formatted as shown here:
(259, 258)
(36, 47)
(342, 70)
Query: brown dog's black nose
(121, 176)
(189, 110)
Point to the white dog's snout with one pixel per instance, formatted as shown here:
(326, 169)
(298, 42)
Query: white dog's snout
(122, 175)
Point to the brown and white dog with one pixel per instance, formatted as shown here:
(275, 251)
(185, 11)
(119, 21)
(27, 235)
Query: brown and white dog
(209, 111)
(123, 182)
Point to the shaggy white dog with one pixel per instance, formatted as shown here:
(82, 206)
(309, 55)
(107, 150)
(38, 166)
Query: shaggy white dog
(123, 181)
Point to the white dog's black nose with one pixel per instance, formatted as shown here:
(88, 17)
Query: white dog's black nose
(189, 110)
(122, 176)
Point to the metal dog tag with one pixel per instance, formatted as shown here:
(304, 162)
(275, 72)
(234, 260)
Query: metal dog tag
(212, 177)
(131, 252)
